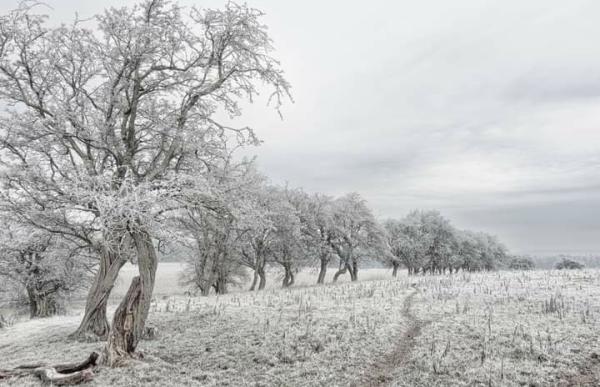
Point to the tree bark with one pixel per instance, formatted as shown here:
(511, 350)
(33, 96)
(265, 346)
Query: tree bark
(288, 279)
(353, 271)
(43, 300)
(95, 323)
(395, 266)
(342, 270)
(322, 271)
(221, 285)
(263, 279)
(130, 318)
(122, 339)
(254, 280)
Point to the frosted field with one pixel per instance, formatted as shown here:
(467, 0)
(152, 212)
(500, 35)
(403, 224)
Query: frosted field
(494, 329)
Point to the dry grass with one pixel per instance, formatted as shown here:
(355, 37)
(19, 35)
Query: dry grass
(308, 336)
(490, 329)
(536, 328)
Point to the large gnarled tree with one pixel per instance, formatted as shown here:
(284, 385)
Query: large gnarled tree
(108, 127)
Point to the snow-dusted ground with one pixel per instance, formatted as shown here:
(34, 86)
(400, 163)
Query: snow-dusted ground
(539, 328)
(327, 335)
(534, 328)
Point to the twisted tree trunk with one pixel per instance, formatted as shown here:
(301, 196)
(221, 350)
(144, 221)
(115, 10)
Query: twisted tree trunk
(254, 280)
(95, 323)
(123, 338)
(263, 278)
(342, 270)
(43, 299)
(261, 263)
(395, 266)
(130, 318)
(323, 271)
(353, 269)
(288, 279)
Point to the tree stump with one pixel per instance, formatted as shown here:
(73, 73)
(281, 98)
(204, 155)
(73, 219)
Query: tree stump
(123, 338)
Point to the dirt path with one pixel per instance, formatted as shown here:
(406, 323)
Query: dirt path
(384, 370)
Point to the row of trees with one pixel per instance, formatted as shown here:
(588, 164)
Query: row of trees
(425, 241)
(257, 225)
(251, 225)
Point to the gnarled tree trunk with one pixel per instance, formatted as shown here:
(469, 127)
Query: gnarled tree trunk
(342, 270)
(43, 300)
(220, 285)
(263, 278)
(353, 269)
(130, 318)
(95, 322)
(123, 338)
(288, 279)
(323, 270)
(395, 266)
(254, 280)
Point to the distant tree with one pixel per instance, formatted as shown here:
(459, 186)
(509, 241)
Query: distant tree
(429, 241)
(399, 244)
(260, 243)
(407, 242)
(355, 235)
(568, 264)
(212, 227)
(316, 226)
(492, 253)
(44, 265)
(424, 241)
(293, 244)
(469, 257)
(521, 263)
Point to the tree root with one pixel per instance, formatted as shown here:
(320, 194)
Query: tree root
(58, 375)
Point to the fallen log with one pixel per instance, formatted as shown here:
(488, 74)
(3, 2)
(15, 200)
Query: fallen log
(52, 376)
(57, 375)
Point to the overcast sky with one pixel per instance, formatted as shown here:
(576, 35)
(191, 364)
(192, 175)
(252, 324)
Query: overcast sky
(486, 110)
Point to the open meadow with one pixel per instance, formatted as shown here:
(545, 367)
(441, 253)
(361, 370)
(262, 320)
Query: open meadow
(530, 328)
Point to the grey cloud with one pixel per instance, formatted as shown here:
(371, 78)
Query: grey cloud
(487, 111)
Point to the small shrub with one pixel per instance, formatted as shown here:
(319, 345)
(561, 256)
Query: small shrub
(521, 263)
(568, 264)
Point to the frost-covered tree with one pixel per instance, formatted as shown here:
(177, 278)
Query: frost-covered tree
(316, 216)
(356, 234)
(401, 246)
(108, 126)
(213, 228)
(430, 241)
(289, 248)
(45, 266)
(492, 253)
(258, 243)
(424, 241)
